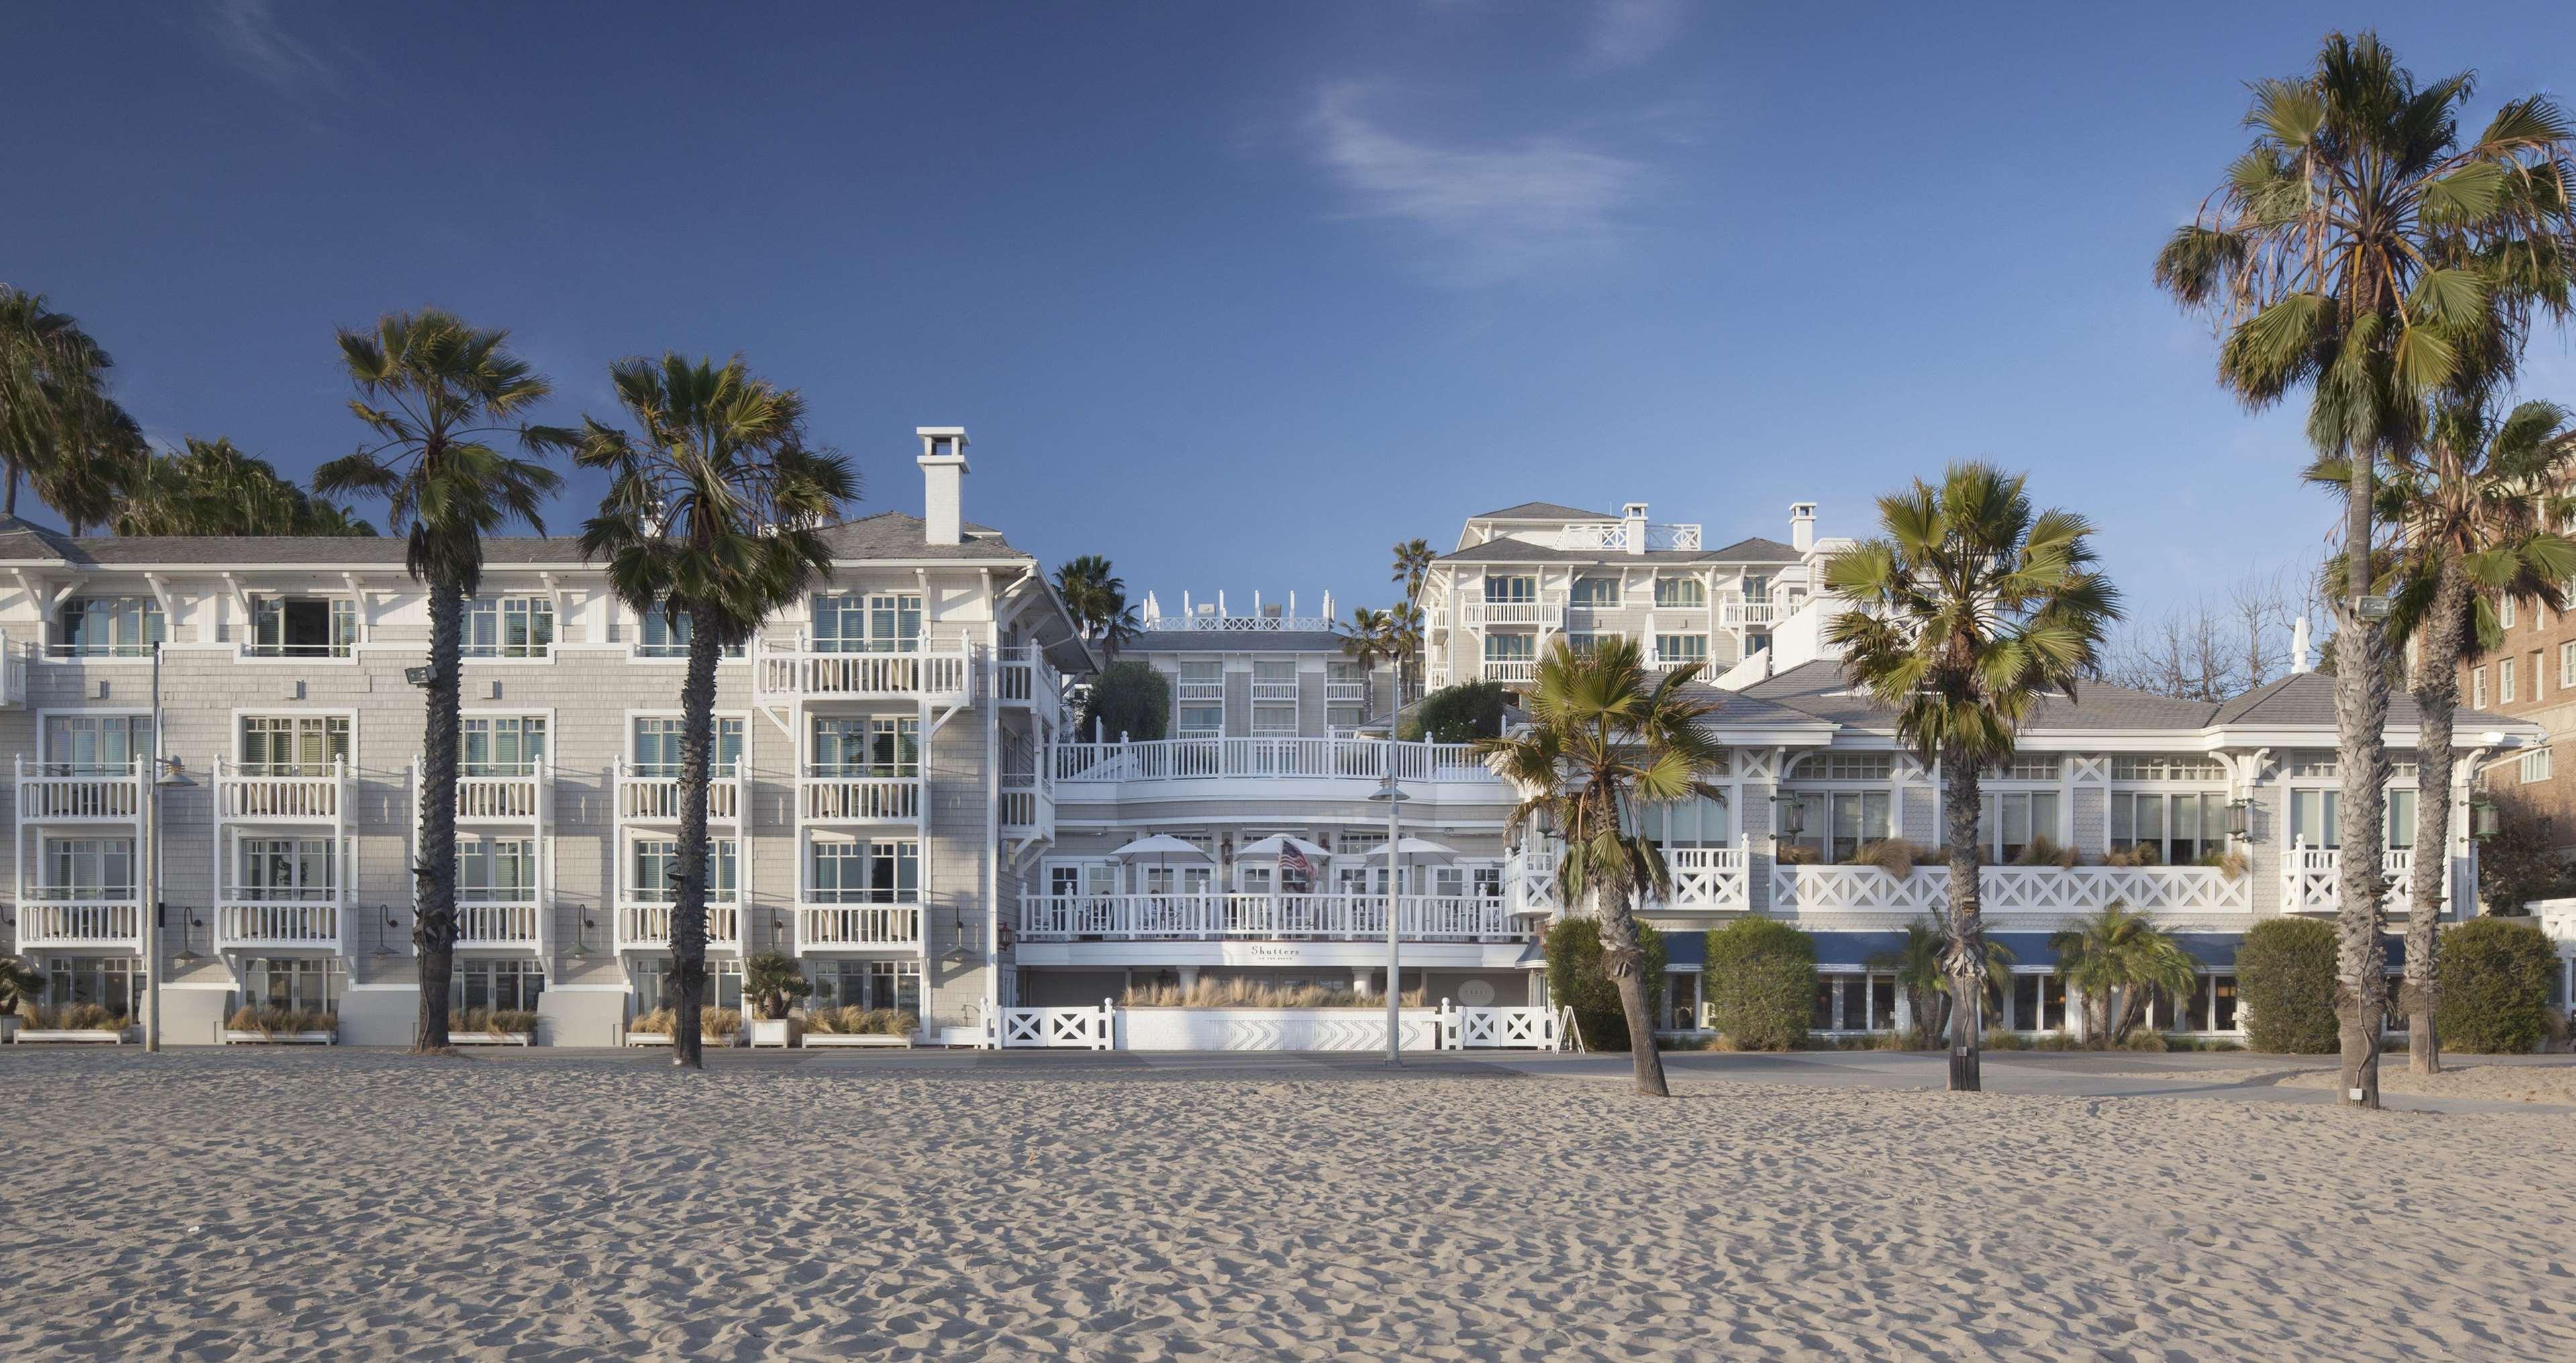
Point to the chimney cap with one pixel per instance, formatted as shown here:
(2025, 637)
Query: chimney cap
(1806, 509)
(1632, 511)
(958, 432)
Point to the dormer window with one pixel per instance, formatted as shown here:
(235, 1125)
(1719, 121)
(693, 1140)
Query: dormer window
(303, 627)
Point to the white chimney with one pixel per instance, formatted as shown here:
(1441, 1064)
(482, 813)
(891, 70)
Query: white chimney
(1634, 516)
(2299, 643)
(1802, 526)
(943, 475)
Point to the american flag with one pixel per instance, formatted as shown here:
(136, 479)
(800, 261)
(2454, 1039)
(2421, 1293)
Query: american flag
(1294, 866)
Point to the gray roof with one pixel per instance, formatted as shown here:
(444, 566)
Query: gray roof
(1544, 511)
(1755, 550)
(886, 535)
(1233, 641)
(2306, 699)
(1820, 689)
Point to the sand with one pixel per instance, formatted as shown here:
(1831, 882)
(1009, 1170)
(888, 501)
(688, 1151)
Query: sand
(2462, 1076)
(542, 1207)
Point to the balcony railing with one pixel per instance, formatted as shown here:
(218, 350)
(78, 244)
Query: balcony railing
(2310, 879)
(48, 917)
(1185, 759)
(1523, 670)
(1705, 880)
(244, 926)
(648, 926)
(14, 658)
(1346, 693)
(515, 796)
(829, 926)
(1739, 612)
(858, 799)
(651, 795)
(280, 793)
(938, 673)
(1316, 917)
(63, 793)
(498, 925)
(1549, 614)
(1025, 677)
(2048, 891)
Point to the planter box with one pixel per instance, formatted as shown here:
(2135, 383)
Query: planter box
(491, 1038)
(815, 1040)
(33, 1036)
(781, 1033)
(233, 1038)
(705, 1042)
(9, 1027)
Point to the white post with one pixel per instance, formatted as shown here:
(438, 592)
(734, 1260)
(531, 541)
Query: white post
(149, 793)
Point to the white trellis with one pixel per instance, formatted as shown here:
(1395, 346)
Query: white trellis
(1520, 1029)
(1085, 1029)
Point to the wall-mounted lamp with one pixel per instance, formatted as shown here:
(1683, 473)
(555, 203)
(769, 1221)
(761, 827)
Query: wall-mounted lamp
(1792, 819)
(2240, 818)
(2485, 819)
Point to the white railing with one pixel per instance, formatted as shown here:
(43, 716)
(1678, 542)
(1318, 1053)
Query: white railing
(1187, 759)
(243, 925)
(497, 925)
(1740, 611)
(13, 672)
(1211, 622)
(857, 925)
(2049, 891)
(1085, 1029)
(248, 792)
(1708, 879)
(1025, 676)
(1550, 613)
(649, 926)
(859, 799)
(516, 798)
(1209, 916)
(1614, 535)
(1512, 1029)
(2310, 879)
(1508, 669)
(54, 793)
(51, 918)
(927, 672)
(643, 797)
(1346, 693)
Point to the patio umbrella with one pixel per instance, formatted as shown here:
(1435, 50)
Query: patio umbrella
(1417, 847)
(1159, 845)
(1280, 844)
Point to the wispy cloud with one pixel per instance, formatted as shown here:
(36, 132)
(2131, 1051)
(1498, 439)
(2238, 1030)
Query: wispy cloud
(1627, 32)
(248, 32)
(1494, 212)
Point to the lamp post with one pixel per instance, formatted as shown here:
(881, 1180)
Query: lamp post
(1392, 795)
(158, 771)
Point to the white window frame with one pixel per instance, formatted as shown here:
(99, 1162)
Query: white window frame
(493, 616)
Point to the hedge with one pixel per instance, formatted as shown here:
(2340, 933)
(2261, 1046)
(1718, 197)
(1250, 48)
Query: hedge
(1130, 699)
(1459, 714)
(1574, 980)
(1760, 984)
(2494, 977)
(2285, 981)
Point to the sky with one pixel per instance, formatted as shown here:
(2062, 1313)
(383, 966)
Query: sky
(1238, 295)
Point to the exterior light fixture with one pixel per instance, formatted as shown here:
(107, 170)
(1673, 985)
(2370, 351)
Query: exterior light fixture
(2484, 818)
(1792, 819)
(417, 676)
(2240, 818)
(2370, 607)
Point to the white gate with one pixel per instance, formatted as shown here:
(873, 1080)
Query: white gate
(1520, 1029)
(1087, 1029)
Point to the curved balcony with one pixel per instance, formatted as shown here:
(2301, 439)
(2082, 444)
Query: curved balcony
(1274, 917)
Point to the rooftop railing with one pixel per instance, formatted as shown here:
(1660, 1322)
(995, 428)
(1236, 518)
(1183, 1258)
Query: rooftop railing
(1185, 759)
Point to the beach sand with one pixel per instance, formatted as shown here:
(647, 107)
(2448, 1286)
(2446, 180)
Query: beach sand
(2462, 1076)
(272, 1205)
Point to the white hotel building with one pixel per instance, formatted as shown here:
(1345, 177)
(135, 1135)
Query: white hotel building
(903, 807)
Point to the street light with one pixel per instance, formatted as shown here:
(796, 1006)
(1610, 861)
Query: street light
(1392, 795)
(171, 772)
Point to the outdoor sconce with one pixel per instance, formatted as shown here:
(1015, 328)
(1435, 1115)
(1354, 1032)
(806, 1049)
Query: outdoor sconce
(2370, 607)
(1793, 815)
(2240, 818)
(2483, 818)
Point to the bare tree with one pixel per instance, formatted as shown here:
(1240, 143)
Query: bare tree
(2214, 646)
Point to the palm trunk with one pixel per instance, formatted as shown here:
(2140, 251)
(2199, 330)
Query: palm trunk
(1967, 961)
(2133, 1010)
(433, 929)
(689, 905)
(1624, 962)
(2437, 695)
(2361, 754)
(11, 509)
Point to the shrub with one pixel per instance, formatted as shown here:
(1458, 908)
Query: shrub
(855, 1021)
(75, 1017)
(1130, 699)
(2285, 982)
(1997, 1039)
(2146, 1039)
(1892, 855)
(1574, 980)
(1458, 714)
(1238, 992)
(2042, 850)
(2495, 975)
(1760, 983)
(270, 1021)
(505, 1020)
(1795, 854)
(774, 983)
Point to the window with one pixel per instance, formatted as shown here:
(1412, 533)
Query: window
(502, 745)
(1757, 587)
(1583, 645)
(1755, 643)
(657, 745)
(887, 746)
(866, 984)
(107, 981)
(656, 861)
(1837, 824)
(2535, 765)
(284, 870)
(302, 984)
(655, 989)
(1274, 698)
(1511, 589)
(293, 745)
(2504, 616)
(2505, 671)
(877, 871)
(1344, 683)
(1681, 593)
(2316, 819)
(1681, 1000)
(1201, 721)
(2027, 768)
(1274, 721)
(509, 627)
(1513, 648)
(1844, 766)
(2478, 686)
(1699, 822)
(1598, 593)
(2211, 1008)
(661, 634)
(88, 868)
(108, 627)
(1201, 696)
(2401, 818)
(503, 986)
(2168, 767)
(2171, 830)
(1201, 681)
(1854, 1001)
(303, 627)
(1673, 650)
(96, 745)
(2539, 681)
(879, 622)
(2015, 819)
(2566, 666)
(496, 870)
(2035, 1003)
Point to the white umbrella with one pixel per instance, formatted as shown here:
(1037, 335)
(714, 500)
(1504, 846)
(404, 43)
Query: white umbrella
(1417, 847)
(1159, 845)
(1279, 845)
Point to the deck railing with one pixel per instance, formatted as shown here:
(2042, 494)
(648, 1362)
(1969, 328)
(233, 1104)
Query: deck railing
(1186, 759)
(648, 926)
(858, 925)
(1508, 669)
(649, 795)
(67, 793)
(930, 671)
(1549, 612)
(48, 917)
(2311, 879)
(276, 924)
(858, 799)
(2036, 890)
(498, 925)
(1740, 611)
(280, 792)
(1212, 916)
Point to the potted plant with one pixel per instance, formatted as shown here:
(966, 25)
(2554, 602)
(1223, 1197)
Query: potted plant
(772, 983)
(76, 1022)
(20, 986)
(854, 1026)
(253, 1025)
(494, 1027)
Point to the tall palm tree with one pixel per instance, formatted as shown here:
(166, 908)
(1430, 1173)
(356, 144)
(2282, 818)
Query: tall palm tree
(440, 398)
(1097, 599)
(1372, 639)
(2360, 249)
(1607, 737)
(214, 488)
(710, 518)
(1968, 607)
(2478, 505)
(2118, 960)
(1412, 568)
(60, 431)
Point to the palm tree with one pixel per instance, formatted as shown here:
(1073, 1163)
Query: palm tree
(1606, 737)
(2478, 505)
(1967, 608)
(1373, 639)
(60, 432)
(21, 984)
(2118, 960)
(1921, 966)
(710, 518)
(213, 488)
(2360, 250)
(1097, 599)
(1412, 567)
(437, 394)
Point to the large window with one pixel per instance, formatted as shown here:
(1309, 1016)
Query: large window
(496, 870)
(2211, 1008)
(2035, 1003)
(2316, 819)
(1836, 824)
(96, 745)
(1274, 698)
(88, 868)
(1681, 593)
(661, 634)
(302, 984)
(879, 622)
(107, 981)
(108, 627)
(867, 745)
(505, 985)
(656, 988)
(1598, 593)
(1673, 650)
(1511, 589)
(503, 745)
(2177, 829)
(656, 863)
(866, 984)
(293, 745)
(282, 870)
(657, 746)
(870, 871)
(1697, 822)
(509, 627)
(1511, 648)
(303, 627)
(2016, 820)
(1854, 1001)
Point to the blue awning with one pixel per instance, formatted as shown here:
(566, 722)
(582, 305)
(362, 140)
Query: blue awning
(2215, 951)
(1854, 948)
(1684, 950)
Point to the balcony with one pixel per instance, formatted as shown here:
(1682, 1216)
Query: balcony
(858, 927)
(2035, 891)
(1509, 671)
(1346, 693)
(275, 925)
(64, 793)
(1186, 759)
(1264, 917)
(54, 919)
(517, 923)
(647, 927)
(783, 676)
(14, 658)
(503, 795)
(1736, 612)
(858, 799)
(651, 795)
(1705, 880)
(280, 792)
(1548, 614)
(2309, 878)
(1025, 677)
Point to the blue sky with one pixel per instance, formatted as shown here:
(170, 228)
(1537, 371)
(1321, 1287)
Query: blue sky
(1237, 295)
